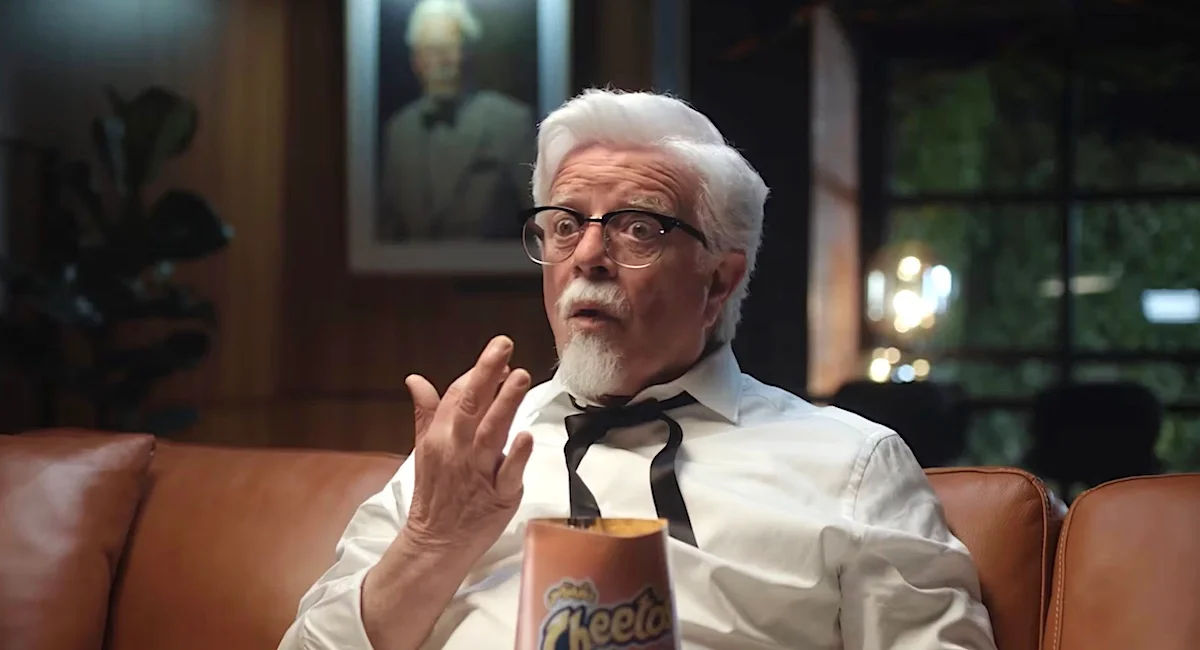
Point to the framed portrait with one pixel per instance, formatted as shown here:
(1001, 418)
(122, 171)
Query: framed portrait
(443, 101)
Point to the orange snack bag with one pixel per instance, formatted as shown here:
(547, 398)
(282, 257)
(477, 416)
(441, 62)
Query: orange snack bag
(600, 583)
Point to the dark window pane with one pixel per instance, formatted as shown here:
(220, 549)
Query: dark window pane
(1137, 119)
(995, 380)
(985, 127)
(1170, 382)
(1001, 437)
(1004, 263)
(1178, 443)
(993, 391)
(997, 437)
(1138, 282)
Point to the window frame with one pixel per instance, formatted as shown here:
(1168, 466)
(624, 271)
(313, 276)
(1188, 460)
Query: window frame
(877, 49)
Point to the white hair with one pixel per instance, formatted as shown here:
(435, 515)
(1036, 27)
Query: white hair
(731, 194)
(459, 10)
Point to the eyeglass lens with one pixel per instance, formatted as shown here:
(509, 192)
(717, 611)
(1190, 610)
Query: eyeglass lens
(630, 238)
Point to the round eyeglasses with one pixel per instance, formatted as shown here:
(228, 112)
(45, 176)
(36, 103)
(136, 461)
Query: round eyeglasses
(632, 238)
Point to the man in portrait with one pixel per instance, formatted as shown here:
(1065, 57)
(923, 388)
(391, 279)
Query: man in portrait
(456, 160)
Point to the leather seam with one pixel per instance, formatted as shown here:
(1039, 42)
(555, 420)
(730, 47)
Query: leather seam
(1046, 552)
(1059, 591)
(1060, 571)
(939, 471)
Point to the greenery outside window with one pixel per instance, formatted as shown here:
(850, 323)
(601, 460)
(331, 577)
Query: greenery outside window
(975, 151)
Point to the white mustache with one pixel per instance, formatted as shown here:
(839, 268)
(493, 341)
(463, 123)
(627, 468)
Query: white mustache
(607, 295)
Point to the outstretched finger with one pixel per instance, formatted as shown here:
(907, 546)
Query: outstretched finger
(471, 395)
(425, 404)
(493, 428)
(511, 476)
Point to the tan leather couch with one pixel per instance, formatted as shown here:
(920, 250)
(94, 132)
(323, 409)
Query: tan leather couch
(114, 541)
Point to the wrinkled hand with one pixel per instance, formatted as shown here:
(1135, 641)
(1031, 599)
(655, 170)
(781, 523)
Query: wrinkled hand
(466, 488)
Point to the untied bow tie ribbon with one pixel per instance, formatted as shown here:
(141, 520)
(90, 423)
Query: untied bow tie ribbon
(589, 427)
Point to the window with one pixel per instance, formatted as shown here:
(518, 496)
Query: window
(1135, 105)
(1137, 285)
(1004, 261)
(1087, 278)
(986, 126)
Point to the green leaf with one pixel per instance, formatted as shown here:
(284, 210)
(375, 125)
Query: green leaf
(184, 226)
(176, 303)
(125, 253)
(108, 136)
(137, 369)
(115, 297)
(159, 125)
(78, 182)
(57, 298)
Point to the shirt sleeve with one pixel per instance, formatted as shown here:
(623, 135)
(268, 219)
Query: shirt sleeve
(330, 613)
(909, 583)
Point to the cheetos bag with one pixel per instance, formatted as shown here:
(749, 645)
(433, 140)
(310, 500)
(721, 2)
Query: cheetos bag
(596, 583)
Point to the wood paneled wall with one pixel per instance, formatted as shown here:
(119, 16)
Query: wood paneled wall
(307, 354)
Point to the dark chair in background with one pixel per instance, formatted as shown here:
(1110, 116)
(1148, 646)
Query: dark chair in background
(1092, 433)
(930, 417)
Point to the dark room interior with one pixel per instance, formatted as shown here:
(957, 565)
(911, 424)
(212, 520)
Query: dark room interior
(982, 234)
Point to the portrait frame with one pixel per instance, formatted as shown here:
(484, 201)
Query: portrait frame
(367, 255)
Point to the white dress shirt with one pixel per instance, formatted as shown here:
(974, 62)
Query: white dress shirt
(815, 528)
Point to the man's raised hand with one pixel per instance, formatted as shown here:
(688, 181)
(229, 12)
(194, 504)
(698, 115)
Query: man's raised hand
(466, 488)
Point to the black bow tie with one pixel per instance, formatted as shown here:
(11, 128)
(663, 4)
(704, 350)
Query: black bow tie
(441, 113)
(590, 426)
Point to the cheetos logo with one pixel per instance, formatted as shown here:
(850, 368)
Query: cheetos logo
(578, 622)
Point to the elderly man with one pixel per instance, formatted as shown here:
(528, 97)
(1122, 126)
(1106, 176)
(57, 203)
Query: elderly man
(792, 526)
(455, 160)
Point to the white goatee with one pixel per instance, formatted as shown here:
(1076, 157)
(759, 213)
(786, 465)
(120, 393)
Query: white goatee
(589, 366)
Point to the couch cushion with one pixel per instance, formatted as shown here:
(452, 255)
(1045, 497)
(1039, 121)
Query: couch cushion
(228, 540)
(1128, 568)
(1010, 523)
(66, 504)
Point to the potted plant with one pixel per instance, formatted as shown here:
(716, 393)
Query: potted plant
(105, 258)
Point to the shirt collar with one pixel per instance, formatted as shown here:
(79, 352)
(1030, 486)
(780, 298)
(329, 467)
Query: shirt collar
(715, 381)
